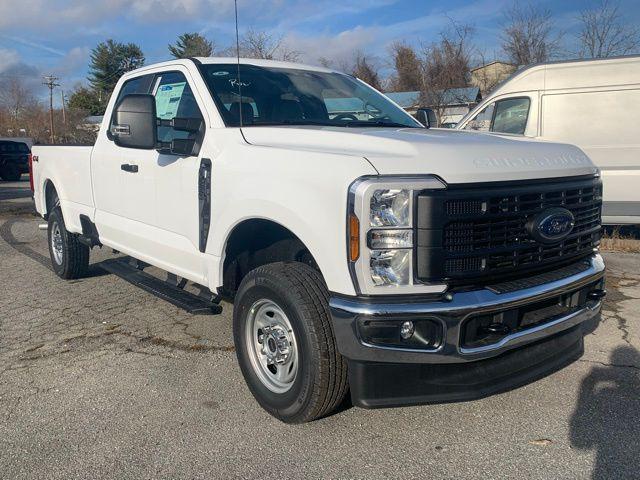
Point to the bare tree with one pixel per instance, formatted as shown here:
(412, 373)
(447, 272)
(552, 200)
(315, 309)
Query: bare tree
(365, 69)
(528, 35)
(260, 44)
(408, 73)
(325, 62)
(446, 67)
(16, 98)
(604, 32)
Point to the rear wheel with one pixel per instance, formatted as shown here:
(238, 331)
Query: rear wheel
(69, 257)
(285, 344)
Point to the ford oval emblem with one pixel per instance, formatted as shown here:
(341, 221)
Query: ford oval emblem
(552, 225)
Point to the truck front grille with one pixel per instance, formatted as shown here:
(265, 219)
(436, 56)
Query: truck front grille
(469, 235)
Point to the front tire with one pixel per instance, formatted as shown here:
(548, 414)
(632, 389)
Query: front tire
(285, 344)
(69, 257)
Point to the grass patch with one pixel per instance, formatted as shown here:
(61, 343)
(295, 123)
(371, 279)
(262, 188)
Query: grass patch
(618, 239)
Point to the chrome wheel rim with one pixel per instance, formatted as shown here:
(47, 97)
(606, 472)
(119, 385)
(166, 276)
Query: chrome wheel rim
(271, 345)
(56, 243)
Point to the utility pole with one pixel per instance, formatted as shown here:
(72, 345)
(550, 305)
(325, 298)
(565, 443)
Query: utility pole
(50, 83)
(64, 112)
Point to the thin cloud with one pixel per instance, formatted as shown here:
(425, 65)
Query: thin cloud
(38, 46)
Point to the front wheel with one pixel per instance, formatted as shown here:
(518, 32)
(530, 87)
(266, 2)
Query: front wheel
(285, 344)
(69, 257)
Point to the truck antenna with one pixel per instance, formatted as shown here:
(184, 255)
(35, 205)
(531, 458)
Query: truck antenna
(238, 58)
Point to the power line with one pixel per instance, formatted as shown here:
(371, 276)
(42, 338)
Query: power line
(50, 83)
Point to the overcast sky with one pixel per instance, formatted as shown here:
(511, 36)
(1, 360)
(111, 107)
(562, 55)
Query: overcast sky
(56, 36)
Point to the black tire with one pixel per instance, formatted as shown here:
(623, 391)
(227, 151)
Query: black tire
(10, 174)
(74, 260)
(321, 381)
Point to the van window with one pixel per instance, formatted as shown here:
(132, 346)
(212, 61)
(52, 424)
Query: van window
(511, 116)
(482, 121)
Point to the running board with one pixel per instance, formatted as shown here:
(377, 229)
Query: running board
(163, 289)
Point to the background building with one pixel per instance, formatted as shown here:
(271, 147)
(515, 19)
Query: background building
(486, 77)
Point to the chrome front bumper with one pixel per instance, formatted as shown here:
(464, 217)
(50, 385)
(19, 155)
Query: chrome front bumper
(346, 312)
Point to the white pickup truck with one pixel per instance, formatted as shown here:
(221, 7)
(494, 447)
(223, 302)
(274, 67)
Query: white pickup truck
(362, 251)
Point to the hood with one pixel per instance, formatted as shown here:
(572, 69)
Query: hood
(455, 156)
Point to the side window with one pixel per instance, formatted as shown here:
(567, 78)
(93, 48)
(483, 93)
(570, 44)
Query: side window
(482, 121)
(511, 116)
(136, 85)
(174, 99)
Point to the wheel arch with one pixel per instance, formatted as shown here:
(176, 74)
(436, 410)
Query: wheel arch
(257, 241)
(50, 196)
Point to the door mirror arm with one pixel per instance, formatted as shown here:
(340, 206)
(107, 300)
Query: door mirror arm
(179, 146)
(427, 117)
(190, 125)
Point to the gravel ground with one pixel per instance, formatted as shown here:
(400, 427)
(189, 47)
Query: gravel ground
(101, 380)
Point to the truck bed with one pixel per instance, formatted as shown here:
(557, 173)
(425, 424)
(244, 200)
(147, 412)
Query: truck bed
(69, 169)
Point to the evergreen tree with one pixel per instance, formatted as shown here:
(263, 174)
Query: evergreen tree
(109, 61)
(85, 100)
(191, 45)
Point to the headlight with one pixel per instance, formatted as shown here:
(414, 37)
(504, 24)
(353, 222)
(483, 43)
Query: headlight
(390, 208)
(390, 267)
(381, 233)
(381, 239)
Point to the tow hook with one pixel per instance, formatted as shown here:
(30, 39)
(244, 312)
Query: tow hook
(597, 294)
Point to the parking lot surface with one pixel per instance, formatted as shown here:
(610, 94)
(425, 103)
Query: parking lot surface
(101, 380)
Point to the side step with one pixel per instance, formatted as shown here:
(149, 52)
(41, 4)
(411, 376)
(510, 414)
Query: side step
(161, 288)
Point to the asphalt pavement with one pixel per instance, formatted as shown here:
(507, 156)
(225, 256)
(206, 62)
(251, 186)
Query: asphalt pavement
(99, 379)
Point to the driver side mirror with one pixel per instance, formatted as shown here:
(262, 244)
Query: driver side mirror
(427, 117)
(134, 122)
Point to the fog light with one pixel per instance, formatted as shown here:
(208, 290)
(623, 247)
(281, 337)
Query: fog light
(424, 334)
(406, 330)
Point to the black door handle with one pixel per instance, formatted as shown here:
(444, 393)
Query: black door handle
(129, 168)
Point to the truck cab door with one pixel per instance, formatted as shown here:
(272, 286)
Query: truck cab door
(148, 207)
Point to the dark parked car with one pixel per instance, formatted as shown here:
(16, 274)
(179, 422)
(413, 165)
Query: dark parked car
(14, 160)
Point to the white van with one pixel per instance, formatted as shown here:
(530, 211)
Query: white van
(594, 104)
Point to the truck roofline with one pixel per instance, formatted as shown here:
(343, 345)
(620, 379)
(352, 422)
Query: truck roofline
(221, 60)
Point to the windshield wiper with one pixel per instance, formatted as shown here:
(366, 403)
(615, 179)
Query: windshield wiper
(347, 123)
(285, 123)
(378, 123)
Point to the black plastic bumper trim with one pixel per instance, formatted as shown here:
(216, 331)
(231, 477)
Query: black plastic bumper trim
(375, 385)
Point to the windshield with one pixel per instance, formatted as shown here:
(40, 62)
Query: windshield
(279, 96)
